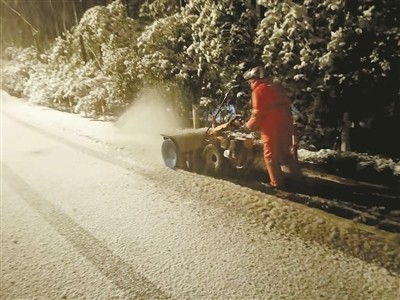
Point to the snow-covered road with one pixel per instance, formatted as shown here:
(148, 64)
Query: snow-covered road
(89, 211)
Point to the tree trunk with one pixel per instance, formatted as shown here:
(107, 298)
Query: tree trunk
(345, 134)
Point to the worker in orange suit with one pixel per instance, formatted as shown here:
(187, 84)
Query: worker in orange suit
(271, 114)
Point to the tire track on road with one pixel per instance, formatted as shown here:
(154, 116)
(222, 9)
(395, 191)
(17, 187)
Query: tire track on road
(119, 272)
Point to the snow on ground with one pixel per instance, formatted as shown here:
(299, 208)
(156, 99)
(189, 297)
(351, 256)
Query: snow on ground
(357, 164)
(138, 144)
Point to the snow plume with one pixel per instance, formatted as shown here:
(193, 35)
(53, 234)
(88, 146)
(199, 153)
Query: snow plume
(150, 114)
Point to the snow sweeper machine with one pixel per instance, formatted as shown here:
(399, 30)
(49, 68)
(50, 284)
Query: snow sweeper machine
(224, 150)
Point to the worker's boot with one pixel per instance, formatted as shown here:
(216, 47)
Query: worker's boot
(275, 175)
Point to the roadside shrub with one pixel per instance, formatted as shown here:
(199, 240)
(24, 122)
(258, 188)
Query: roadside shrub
(17, 68)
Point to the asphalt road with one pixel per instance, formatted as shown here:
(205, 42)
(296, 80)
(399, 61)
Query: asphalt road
(86, 218)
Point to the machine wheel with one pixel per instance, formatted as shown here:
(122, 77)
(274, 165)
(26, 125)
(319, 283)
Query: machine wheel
(213, 160)
(170, 153)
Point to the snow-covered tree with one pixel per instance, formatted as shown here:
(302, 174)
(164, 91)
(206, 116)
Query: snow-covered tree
(201, 49)
(331, 55)
(93, 58)
(158, 9)
(222, 45)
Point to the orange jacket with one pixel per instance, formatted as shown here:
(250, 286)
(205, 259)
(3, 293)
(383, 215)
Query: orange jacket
(271, 109)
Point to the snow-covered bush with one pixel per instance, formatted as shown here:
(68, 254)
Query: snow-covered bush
(357, 166)
(157, 9)
(87, 69)
(106, 37)
(17, 69)
(43, 85)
